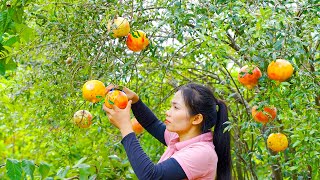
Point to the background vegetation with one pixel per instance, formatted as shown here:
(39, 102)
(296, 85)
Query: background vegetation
(200, 41)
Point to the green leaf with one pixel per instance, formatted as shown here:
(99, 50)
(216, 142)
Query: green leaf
(28, 167)
(10, 64)
(2, 68)
(278, 44)
(10, 41)
(18, 15)
(296, 143)
(110, 102)
(115, 157)
(4, 21)
(84, 171)
(180, 36)
(14, 170)
(49, 178)
(44, 169)
(312, 132)
(25, 33)
(93, 177)
(63, 172)
(292, 168)
(79, 162)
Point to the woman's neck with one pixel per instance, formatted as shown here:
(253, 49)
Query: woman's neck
(183, 136)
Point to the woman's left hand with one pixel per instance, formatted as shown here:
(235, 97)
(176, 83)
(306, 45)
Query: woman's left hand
(120, 118)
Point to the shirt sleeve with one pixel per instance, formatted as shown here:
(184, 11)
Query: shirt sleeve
(144, 168)
(149, 121)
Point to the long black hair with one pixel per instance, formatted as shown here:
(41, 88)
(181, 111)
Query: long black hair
(200, 100)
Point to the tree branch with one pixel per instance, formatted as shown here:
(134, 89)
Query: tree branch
(74, 177)
(150, 8)
(234, 60)
(234, 45)
(238, 91)
(232, 42)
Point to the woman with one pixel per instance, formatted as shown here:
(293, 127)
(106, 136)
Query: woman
(193, 152)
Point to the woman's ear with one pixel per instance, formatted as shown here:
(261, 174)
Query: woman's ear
(197, 119)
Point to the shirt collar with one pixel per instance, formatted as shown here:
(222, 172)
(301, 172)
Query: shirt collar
(206, 137)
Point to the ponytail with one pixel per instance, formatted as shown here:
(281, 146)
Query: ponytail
(200, 100)
(221, 141)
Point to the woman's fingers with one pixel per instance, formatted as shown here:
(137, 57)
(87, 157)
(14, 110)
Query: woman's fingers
(129, 105)
(126, 90)
(114, 86)
(107, 110)
(109, 87)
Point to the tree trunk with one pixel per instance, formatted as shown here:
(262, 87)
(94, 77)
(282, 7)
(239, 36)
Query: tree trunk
(309, 172)
(239, 170)
(276, 169)
(276, 172)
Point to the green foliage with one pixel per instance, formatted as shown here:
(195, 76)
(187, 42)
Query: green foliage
(28, 167)
(14, 33)
(200, 41)
(14, 169)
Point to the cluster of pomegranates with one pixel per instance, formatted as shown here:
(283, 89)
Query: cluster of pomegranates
(279, 70)
(94, 91)
(136, 41)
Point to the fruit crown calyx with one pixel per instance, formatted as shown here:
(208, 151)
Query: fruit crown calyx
(120, 88)
(136, 35)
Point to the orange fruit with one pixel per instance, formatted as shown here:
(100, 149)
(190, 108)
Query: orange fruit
(136, 126)
(120, 27)
(93, 91)
(82, 118)
(249, 76)
(137, 41)
(116, 97)
(265, 115)
(280, 70)
(277, 142)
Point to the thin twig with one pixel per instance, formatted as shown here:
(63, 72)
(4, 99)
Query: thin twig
(74, 177)
(149, 8)
(241, 96)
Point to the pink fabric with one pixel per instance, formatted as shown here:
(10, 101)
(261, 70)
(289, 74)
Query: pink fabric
(196, 156)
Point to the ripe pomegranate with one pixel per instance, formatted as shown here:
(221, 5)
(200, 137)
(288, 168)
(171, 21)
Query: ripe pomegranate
(120, 27)
(93, 91)
(277, 142)
(116, 97)
(280, 70)
(265, 115)
(137, 41)
(136, 126)
(82, 118)
(249, 76)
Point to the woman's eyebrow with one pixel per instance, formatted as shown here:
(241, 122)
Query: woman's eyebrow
(175, 103)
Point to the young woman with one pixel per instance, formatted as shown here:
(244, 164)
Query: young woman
(193, 150)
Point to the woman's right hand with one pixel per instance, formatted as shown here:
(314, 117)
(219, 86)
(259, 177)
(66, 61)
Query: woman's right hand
(130, 94)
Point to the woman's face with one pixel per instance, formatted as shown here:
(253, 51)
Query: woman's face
(177, 117)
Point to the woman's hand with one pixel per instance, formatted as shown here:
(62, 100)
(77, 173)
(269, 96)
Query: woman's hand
(130, 94)
(120, 118)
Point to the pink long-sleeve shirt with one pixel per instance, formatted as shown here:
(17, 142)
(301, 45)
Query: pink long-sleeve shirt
(196, 156)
